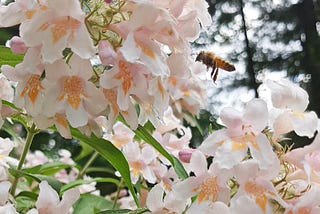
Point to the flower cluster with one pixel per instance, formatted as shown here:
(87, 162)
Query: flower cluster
(85, 60)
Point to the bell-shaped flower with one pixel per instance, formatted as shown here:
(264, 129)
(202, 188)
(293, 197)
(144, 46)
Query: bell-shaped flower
(229, 146)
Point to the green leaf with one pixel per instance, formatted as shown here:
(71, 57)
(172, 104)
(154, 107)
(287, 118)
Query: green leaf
(54, 183)
(49, 168)
(85, 151)
(80, 182)
(143, 134)
(87, 204)
(23, 204)
(9, 58)
(179, 169)
(27, 194)
(108, 151)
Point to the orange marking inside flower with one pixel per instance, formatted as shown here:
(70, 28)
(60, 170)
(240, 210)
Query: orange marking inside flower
(60, 27)
(111, 96)
(238, 145)
(125, 75)
(32, 87)
(161, 89)
(147, 51)
(259, 192)
(119, 141)
(29, 13)
(136, 167)
(73, 88)
(209, 190)
(172, 80)
(61, 119)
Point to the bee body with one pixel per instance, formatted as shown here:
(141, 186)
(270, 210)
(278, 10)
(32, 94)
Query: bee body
(214, 62)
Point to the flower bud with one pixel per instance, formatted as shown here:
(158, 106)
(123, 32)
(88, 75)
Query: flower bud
(185, 155)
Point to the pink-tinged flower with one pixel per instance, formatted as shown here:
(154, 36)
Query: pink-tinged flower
(36, 158)
(306, 159)
(6, 146)
(121, 135)
(307, 203)
(29, 91)
(255, 185)
(140, 161)
(17, 45)
(130, 115)
(172, 143)
(229, 146)
(59, 120)
(139, 47)
(48, 201)
(71, 92)
(18, 11)
(6, 90)
(59, 26)
(208, 184)
(106, 53)
(292, 102)
(128, 79)
(185, 88)
(159, 201)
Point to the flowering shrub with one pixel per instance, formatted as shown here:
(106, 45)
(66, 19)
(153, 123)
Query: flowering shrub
(119, 77)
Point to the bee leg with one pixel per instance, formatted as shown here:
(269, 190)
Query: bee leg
(215, 75)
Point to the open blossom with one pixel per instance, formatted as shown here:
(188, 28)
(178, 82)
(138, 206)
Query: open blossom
(121, 135)
(127, 79)
(307, 203)
(18, 11)
(140, 161)
(71, 92)
(30, 90)
(209, 184)
(60, 24)
(48, 201)
(306, 160)
(157, 203)
(229, 146)
(291, 101)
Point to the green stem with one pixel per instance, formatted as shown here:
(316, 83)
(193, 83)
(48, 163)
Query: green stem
(86, 166)
(117, 195)
(31, 133)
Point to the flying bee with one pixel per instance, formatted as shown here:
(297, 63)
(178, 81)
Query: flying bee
(214, 62)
